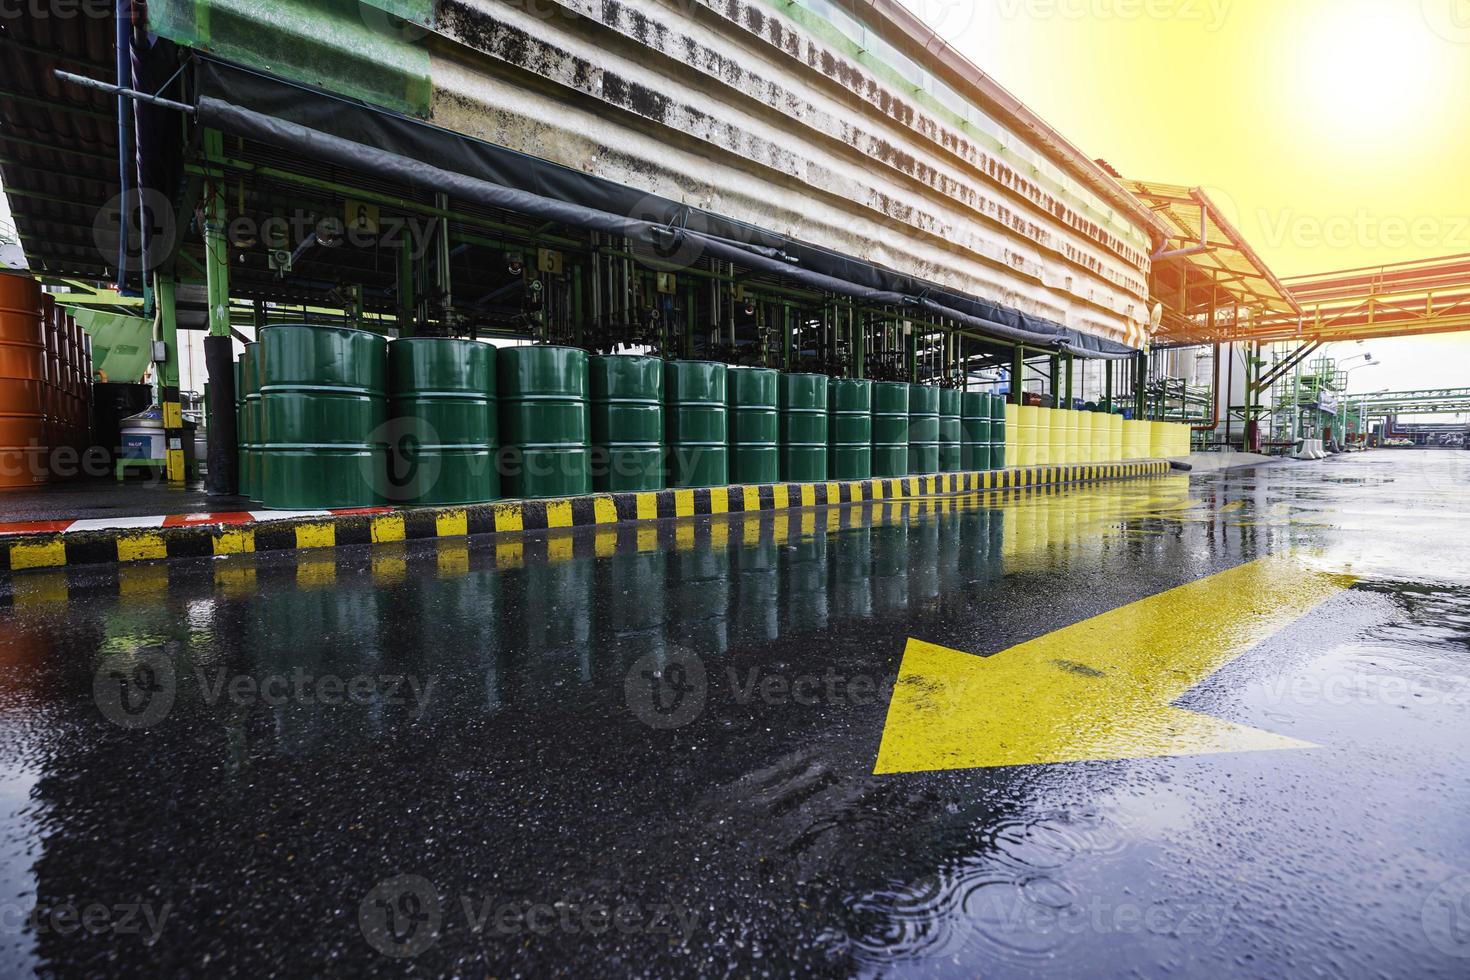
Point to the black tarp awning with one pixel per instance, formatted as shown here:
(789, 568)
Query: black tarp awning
(332, 129)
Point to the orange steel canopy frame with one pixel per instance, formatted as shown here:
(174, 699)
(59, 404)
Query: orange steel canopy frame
(1401, 300)
(1211, 284)
(1214, 288)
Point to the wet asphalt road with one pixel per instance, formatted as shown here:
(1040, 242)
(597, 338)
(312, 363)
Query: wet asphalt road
(497, 758)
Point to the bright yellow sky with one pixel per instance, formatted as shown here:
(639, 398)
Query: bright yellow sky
(1337, 132)
(1333, 133)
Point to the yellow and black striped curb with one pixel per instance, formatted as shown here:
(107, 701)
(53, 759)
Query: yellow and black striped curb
(124, 545)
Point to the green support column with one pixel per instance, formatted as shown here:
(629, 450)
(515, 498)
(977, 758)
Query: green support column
(1069, 380)
(1108, 385)
(911, 354)
(859, 349)
(1140, 380)
(1056, 381)
(785, 336)
(219, 352)
(1018, 372)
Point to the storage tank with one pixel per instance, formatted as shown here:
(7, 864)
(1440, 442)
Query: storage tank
(23, 389)
(321, 436)
(923, 430)
(1086, 451)
(890, 429)
(1029, 434)
(850, 455)
(242, 442)
(545, 422)
(444, 436)
(1059, 433)
(804, 426)
(755, 425)
(696, 424)
(1000, 448)
(975, 445)
(1051, 436)
(251, 434)
(1158, 440)
(1012, 416)
(950, 456)
(627, 423)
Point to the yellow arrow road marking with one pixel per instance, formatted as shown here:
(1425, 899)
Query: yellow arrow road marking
(1100, 689)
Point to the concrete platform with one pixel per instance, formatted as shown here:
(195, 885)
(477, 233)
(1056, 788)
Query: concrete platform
(1217, 462)
(194, 533)
(924, 739)
(108, 498)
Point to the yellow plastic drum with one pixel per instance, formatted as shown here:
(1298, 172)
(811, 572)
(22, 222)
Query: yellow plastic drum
(1013, 434)
(1028, 436)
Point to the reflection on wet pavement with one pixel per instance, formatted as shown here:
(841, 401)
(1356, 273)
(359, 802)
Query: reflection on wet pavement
(652, 749)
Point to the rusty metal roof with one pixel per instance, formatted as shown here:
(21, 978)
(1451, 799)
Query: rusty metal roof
(58, 143)
(1207, 276)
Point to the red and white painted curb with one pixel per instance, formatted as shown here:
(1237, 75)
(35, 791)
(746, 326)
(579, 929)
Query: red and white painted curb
(224, 519)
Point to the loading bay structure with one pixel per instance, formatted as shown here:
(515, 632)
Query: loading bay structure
(807, 186)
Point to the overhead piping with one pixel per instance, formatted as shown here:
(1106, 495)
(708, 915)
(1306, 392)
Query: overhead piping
(654, 235)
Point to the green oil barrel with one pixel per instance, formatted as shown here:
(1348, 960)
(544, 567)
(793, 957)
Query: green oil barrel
(323, 417)
(544, 422)
(242, 447)
(890, 429)
(850, 430)
(998, 459)
(975, 431)
(627, 423)
(923, 430)
(755, 425)
(949, 431)
(441, 397)
(252, 433)
(803, 428)
(695, 412)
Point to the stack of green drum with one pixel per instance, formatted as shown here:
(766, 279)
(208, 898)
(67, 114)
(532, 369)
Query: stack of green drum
(950, 455)
(976, 443)
(755, 425)
(998, 459)
(241, 444)
(627, 423)
(695, 414)
(923, 430)
(544, 422)
(850, 429)
(803, 428)
(323, 417)
(890, 429)
(252, 434)
(442, 401)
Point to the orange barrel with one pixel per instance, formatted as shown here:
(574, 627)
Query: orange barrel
(78, 402)
(23, 387)
(56, 393)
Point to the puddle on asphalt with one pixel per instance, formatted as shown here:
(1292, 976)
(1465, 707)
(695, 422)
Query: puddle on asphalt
(543, 748)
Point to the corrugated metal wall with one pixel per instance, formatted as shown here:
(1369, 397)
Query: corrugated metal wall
(769, 116)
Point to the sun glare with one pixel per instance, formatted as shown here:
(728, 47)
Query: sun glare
(1369, 75)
